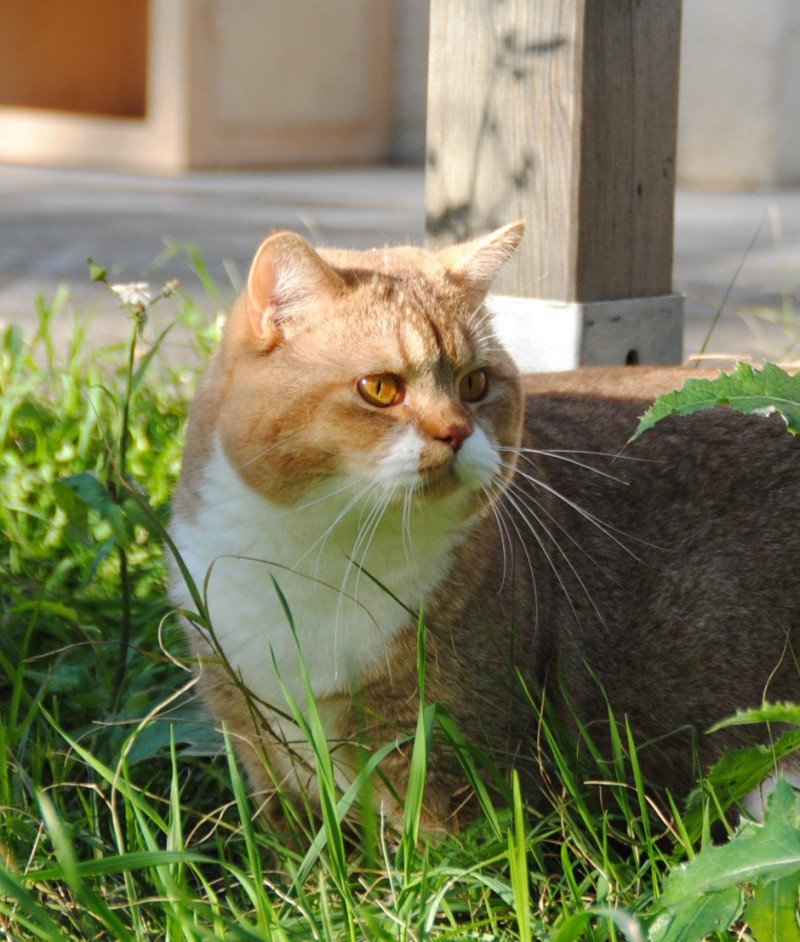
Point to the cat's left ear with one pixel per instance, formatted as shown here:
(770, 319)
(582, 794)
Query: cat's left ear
(287, 278)
(478, 262)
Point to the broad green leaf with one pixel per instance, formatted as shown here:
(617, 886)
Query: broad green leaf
(188, 726)
(693, 922)
(769, 853)
(746, 390)
(87, 488)
(772, 912)
(782, 805)
(76, 510)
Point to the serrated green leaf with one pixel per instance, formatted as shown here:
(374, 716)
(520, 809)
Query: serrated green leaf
(750, 391)
(772, 912)
(769, 852)
(704, 915)
(736, 774)
(767, 713)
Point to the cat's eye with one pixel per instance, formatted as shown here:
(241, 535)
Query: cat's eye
(474, 386)
(381, 389)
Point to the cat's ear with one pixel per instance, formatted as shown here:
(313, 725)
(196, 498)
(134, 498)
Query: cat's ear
(287, 277)
(479, 261)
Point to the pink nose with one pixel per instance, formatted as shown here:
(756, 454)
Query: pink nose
(454, 436)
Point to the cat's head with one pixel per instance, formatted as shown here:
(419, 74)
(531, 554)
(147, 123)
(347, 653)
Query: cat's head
(378, 368)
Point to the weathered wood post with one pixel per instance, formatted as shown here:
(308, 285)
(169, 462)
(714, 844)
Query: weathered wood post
(562, 112)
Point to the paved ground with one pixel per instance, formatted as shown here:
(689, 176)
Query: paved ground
(51, 220)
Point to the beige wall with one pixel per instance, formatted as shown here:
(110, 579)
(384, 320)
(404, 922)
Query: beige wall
(410, 84)
(739, 115)
(171, 85)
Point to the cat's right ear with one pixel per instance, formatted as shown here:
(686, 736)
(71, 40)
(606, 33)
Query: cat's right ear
(477, 263)
(287, 278)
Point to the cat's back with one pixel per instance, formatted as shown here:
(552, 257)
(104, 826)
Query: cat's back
(712, 476)
(597, 409)
(673, 557)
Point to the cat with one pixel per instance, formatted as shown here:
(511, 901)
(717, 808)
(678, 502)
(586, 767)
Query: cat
(362, 447)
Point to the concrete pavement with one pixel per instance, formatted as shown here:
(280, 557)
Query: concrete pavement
(51, 220)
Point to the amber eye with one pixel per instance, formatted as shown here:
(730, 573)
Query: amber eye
(473, 386)
(381, 389)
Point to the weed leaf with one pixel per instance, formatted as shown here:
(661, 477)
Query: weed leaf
(746, 390)
(699, 894)
(768, 853)
(772, 912)
(767, 713)
(734, 775)
(76, 510)
(141, 369)
(692, 923)
(96, 270)
(88, 490)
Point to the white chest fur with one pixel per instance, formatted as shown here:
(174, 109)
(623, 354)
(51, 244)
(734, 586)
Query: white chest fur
(319, 554)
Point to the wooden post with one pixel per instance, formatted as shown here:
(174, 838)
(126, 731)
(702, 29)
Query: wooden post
(562, 112)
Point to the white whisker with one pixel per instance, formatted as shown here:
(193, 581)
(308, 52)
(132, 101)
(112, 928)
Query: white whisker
(515, 502)
(523, 493)
(524, 454)
(557, 452)
(601, 525)
(322, 539)
(524, 546)
(492, 503)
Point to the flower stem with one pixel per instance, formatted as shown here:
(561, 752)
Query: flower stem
(126, 402)
(117, 492)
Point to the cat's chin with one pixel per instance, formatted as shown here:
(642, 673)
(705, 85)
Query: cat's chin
(437, 486)
(440, 484)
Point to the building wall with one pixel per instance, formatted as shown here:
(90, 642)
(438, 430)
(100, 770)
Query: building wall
(739, 114)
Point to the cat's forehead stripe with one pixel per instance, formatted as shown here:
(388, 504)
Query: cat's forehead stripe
(421, 341)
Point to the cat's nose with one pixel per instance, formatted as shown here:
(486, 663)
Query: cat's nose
(454, 435)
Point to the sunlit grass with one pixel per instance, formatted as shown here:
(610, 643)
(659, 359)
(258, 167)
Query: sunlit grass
(124, 814)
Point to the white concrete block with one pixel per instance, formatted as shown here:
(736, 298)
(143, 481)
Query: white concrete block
(545, 336)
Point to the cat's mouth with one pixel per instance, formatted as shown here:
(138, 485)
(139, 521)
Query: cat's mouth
(431, 470)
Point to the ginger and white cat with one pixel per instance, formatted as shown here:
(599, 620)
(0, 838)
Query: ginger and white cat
(363, 439)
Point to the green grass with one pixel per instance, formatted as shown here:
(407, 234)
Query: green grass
(123, 815)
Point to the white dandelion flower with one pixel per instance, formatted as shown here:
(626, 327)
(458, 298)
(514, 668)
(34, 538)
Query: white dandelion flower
(136, 294)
